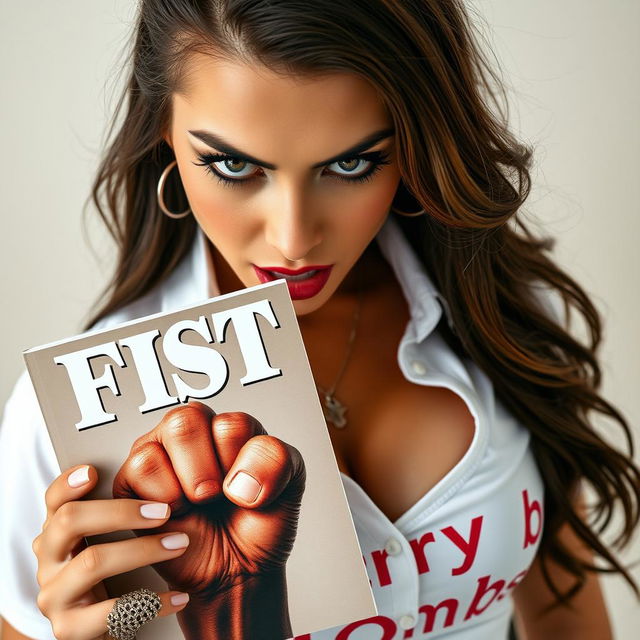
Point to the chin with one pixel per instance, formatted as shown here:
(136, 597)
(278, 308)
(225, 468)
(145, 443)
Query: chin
(305, 307)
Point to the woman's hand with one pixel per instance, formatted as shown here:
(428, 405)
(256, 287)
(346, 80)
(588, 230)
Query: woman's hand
(242, 539)
(70, 574)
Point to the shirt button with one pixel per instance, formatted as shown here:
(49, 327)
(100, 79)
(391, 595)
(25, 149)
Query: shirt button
(418, 367)
(393, 547)
(407, 622)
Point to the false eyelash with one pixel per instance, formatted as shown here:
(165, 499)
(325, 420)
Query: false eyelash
(377, 158)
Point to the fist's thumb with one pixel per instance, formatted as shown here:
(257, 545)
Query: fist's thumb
(264, 469)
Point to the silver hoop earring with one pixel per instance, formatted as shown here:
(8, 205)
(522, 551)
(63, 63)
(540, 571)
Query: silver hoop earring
(160, 190)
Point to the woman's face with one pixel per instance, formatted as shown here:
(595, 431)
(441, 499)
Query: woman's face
(271, 175)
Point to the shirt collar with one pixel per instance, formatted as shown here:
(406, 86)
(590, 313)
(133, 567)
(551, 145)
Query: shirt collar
(425, 301)
(194, 279)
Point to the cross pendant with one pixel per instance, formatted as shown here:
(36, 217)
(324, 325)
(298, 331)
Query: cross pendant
(335, 411)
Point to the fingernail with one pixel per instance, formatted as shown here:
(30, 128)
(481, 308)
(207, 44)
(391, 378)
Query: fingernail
(175, 541)
(78, 477)
(245, 487)
(179, 598)
(206, 487)
(154, 510)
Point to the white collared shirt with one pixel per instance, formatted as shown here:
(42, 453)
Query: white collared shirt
(444, 568)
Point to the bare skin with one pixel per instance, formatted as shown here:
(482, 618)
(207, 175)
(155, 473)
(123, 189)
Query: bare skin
(293, 216)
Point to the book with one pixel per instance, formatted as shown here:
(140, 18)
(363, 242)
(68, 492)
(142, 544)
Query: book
(110, 396)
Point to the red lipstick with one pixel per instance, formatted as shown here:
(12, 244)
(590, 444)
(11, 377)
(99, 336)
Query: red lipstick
(302, 283)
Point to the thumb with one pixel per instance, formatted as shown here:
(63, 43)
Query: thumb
(264, 469)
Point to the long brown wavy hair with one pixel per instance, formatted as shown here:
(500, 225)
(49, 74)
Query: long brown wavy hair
(458, 161)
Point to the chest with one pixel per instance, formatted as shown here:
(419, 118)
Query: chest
(401, 438)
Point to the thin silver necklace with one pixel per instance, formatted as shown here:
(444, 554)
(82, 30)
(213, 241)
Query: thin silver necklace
(333, 409)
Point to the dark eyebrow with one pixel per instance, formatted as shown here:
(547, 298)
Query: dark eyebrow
(216, 142)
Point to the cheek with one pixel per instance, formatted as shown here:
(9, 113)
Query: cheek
(205, 193)
(217, 211)
(364, 212)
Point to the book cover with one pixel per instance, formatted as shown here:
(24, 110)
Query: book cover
(240, 358)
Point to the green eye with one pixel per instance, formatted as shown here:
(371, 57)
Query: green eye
(235, 166)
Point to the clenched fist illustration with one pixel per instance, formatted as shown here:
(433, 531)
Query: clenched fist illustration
(232, 488)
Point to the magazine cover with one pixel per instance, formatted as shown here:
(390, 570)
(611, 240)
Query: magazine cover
(239, 361)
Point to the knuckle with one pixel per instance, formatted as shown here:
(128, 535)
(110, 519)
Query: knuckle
(35, 544)
(193, 408)
(140, 441)
(42, 600)
(236, 425)
(145, 460)
(268, 449)
(184, 423)
(49, 496)
(90, 559)
(61, 628)
(67, 515)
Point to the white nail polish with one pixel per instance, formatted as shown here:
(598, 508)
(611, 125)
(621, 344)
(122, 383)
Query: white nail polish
(179, 598)
(154, 510)
(175, 541)
(79, 477)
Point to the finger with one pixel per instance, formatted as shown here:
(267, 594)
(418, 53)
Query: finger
(100, 561)
(185, 433)
(264, 468)
(77, 519)
(72, 484)
(92, 619)
(231, 430)
(148, 473)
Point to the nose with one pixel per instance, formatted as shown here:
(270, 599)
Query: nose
(291, 228)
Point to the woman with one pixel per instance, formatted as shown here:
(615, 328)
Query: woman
(358, 139)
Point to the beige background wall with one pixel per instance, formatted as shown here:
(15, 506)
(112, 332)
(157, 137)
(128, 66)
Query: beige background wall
(572, 68)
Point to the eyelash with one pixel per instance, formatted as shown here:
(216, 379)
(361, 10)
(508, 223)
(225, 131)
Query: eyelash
(377, 158)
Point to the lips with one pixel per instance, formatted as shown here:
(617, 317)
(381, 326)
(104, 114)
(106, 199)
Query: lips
(302, 283)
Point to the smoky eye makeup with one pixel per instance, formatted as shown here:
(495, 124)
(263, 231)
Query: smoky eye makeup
(374, 159)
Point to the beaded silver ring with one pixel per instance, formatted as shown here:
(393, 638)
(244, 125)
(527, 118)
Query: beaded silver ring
(130, 611)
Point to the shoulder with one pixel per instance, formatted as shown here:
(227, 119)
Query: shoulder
(146, 305)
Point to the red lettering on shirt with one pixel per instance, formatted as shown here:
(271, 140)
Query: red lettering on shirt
(387, 625)
(418, 551)
(384, 628)
(481, 590)
(469, 548)
(380, 561)
(530, 537)
(430, 613)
